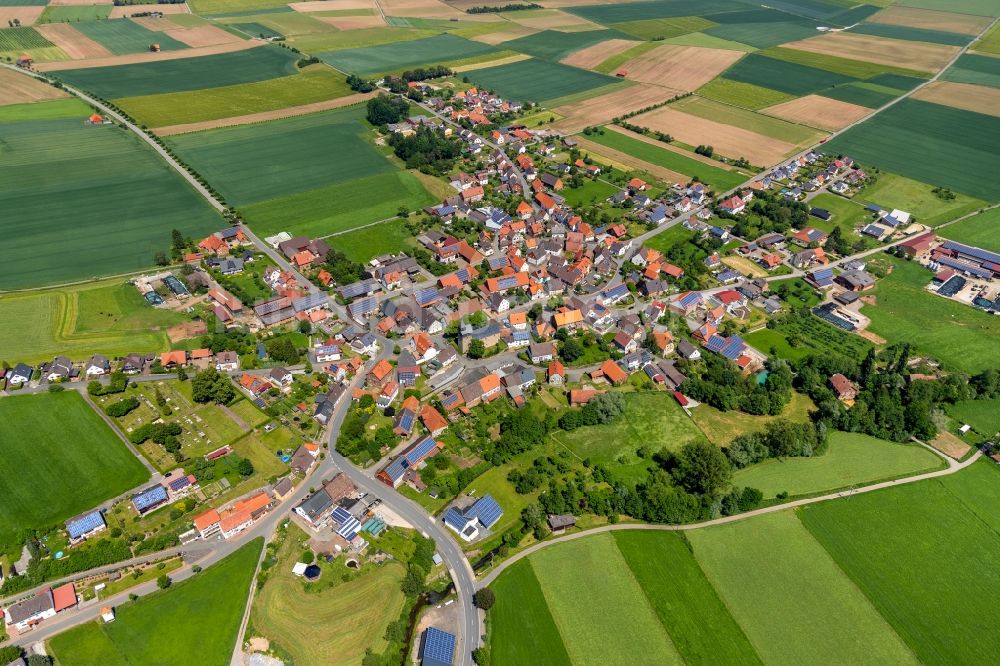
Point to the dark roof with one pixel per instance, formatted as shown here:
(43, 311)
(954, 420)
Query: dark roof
(30, 607)
(438, 648)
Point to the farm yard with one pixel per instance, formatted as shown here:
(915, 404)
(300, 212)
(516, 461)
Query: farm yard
(56, 446)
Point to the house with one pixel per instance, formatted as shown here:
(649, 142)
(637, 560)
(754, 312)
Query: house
(559, 523)
(437, 648)
(85, 526)
(433, 420)
(21, 374)
(327, 353)
(855, 280)
(387, 395)
(556, 373)
(207, 523)
(281, 377)
(315, 508)
(97, 365)
(227, 361)
(61, 369)
(733, 205)
(809, 235)
(843, 387)
(282, 489)
(26, 614)
(149, 499)
(302, 461)
(918, 244)
(611, 372)
(541, 352)
(411, 458)
(687, 350)
(173, 359)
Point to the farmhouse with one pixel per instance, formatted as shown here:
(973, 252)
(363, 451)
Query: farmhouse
(149, 499)
(855, 280)
(918, 245)
(843, 387)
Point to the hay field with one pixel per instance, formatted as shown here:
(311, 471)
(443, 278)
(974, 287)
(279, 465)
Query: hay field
(26, 15)
(680, 67)
(981, 99)
(821, 112)
(18, 89)
(206, 35)
(73, 42)
(748, 120)
(930, 19)
(594, 55)
(727, 140)
(599, 110)
(551, 19)
(912, 55)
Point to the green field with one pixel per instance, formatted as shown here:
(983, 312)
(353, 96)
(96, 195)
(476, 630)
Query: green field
(151, 78)
(709, 42)
(616, 61)
(201, 615)
(109, 318)
(774, 128)
(788, 77)
(912, 34)
(845, 213)
(972, 68)
(962, 337)
(653, 9)
(20, 39)
(74, 13)
(521, 626)
(917, 552)
(716, 177)
(254, 163)
(556, 45)
(990, 42)
(224, 6)
(856, 69)
(761, 27)
(893, 191)
(591, 191)
(981, 230)
(965, 146)
(68, 220)
(49, 110)
(778, 582)
(254, 29)
(664, 27)
(745, 95)
(977, 7)
(723, 427)
(650, 419)
(356, 39)
(363, 244)
(122, 36)
(865, 94)
(983, 415)
(315, 84)
(440, 49)
(851, 460)
(539, 80)
(57, 447)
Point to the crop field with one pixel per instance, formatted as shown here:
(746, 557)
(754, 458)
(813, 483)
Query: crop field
(70, 107)
(521, 625)
(555, 45)
(919, 56)
(59, 228)
(761, 28)
(718, 178)
(150, 78)
(356, 39)
(744, 95)
(539, 80)
(932, 20)
(962, 337)
(653, 9)
(593, 56)
(342, 207)
(894, 191)
(862, 93)
(973, 68)
(980, 99)
(851, 459)
(817, 111)
(753, 122)
(912, 34)
(723, 427)
(57, 447)
(784, 76)
(122, 36)
(804, 583)
(664, 27)
(254, 163)
(981, 230)
(19, 89)
(163, 622)
(983, 415)
(74, 13)
(440, 49)
(314, 84)
(965, 146)
(680, 67)
(990, 42)
(21, 39)
(578, 115)
(874, 540)
(109, 318)
(977, 7)
(650, 419)
(856, 69)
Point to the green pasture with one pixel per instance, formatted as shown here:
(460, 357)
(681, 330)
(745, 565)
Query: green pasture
(522, 630)
(964, 145)
(68, 220)
(794, 603)
(973, 68)
(982, 230)
(22, 39)
(342, 207)
(700, 625)
(917, 551)
(855, 69)
(362, 245)
(723, 427)
(664, 27)
(768, 126)
(397, 56)
(255, 163)
(745, 95)
(70, 107)
(556, 45)
(911, 34)
(717, 177)
(961, 336)
(539, 80)
(592, 191)
(847, 214)
(788, 77)
(165, 622)
(983, 415)
(654, 9)
(166, 76)
(122, 36)
(57, 447)
(74, 13)
(894, 191)
(314, 84)
(851, 460)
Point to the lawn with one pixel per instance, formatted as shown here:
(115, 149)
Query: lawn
(440, 49)
(962, 337)
(315, 84)
(329, 625)
(539, 80)
(653, 420)
(983, 415)
(67, 221)
(982, 230)
(917, 551)
(965, 146)
(894, 191)
(697, 621)
(108, 317)
(612, 600)
(788, 77)
(254, 163)
(167, 76)
(845, 213)
(723, 427)
(592, 191)
(57, 447)
(851, 460)
(745, 95)
(794, 603)
(122, 36)
(201, 615)
(716, 177)
(522, 630)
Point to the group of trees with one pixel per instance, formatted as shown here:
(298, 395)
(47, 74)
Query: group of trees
(11, 653)
(780, 439)
(719, 383)
(602, 409)
(520, 431)
(707, 151)
(210, 385)
(357, 84)
(117, 383)
(541, 470)
(386, 109)
(122, 407)
(495, 9)
(283, 350)
(427, 149)
(768, 212)
(342, 269)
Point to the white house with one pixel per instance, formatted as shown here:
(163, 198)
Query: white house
(227, 361)
(26, 614)
(97, 365)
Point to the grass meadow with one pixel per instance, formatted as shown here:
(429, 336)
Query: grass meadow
(522, 630)
(982, 230)
(57, 447)
(362, 244)
(983, 415)
(895, 191)
(539, 80)
(745, 95)
(107, 317)
(723, 427)
(201, 615)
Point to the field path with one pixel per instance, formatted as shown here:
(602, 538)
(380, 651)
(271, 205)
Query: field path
(953, 466)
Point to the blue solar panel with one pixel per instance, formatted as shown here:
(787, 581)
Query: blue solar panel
(340, 515)
(508, 282)
(454, 519)
(715, 343)
(733, 348)
(486, 510)
(951, 263)
(439, 647)
(420, 450)
(397, 468)
(425, 296)
(406, 420)
(149, 498)
(80, 526)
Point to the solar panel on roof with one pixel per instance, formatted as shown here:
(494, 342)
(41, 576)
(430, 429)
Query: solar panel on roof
(975, 270)
(420, 450)
(439, 647)
(149, 498)
(733, 348)
(486, 510)
(179, 484)
(715, 343)
(454, 519)
(84, 524)
(425, 296)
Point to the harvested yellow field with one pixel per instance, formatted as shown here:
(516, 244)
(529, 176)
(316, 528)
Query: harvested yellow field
(821, 112)
(26, 15)
(73, 42)
(592, 56)
(155, 24)
(512, 31)
(929, 19)
(599, 110)
(745, 266)
(727, 140)
(353, 22)
(895, 52)
(18, 89)
(552, 19)
(133, 58)
(627, 162)
(681, 67)
(970, 97)
(206, 35)
(339, 5)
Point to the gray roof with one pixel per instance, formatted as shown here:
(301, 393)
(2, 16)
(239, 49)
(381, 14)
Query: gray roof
(314, 506)
(30, 607)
